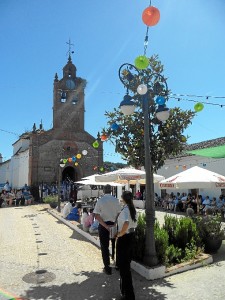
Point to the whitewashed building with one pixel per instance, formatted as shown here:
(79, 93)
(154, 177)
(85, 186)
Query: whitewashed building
(213, 160)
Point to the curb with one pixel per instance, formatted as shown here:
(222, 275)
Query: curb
(75, 227)
(146, 272)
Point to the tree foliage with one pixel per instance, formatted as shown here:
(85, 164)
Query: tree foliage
(166, 138)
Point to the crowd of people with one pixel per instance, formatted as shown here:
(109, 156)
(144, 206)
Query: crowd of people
(68, 190)
(199, 204)
(16, 197)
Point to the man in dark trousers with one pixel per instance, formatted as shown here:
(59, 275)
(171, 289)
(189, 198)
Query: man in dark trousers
(106, 211)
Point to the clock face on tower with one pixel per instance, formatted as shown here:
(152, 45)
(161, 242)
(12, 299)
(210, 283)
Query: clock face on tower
(70, 84)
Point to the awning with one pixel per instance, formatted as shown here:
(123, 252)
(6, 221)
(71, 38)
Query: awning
(213, 152)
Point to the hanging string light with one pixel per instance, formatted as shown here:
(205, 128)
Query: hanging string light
(179, 98)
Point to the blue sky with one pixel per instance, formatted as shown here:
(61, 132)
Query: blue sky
(189, 40)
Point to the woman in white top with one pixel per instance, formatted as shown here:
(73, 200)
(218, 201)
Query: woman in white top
(126, 226)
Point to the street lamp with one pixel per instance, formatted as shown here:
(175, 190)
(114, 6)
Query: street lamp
(151, 91)
(61, 165)
(97, 144)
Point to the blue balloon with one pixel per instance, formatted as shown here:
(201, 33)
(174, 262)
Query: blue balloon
(160, 100)
(114, 126)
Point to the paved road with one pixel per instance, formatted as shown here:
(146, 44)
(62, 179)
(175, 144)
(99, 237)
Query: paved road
(41, 258)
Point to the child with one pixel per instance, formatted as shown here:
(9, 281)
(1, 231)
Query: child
(84, 218)
(94, 227)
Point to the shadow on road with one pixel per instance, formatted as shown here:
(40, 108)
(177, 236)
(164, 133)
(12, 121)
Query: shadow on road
(220, 254)
(97, 286)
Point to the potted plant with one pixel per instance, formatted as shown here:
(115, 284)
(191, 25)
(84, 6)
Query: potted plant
(51, 200)
(211, 232)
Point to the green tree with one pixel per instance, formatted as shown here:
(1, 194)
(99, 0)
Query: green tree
(110, 166)
(166, 138)
(130, 140)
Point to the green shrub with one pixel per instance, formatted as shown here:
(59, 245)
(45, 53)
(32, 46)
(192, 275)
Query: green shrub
(161, 243)
(186, 233)
(173, 255)
(191, 251)
(181, 231)
(177, 241)
(210, 227)
(139, 239)
(50, 199)
(170, 224)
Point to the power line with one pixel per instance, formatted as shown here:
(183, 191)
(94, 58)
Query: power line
(9, 132)
(179, 98)
(198, 96)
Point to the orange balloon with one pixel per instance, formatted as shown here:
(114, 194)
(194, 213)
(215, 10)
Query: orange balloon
(104, 137)
(70, 159)
(151, 16)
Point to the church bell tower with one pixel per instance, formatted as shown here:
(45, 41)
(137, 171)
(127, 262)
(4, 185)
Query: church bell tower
(68, 102)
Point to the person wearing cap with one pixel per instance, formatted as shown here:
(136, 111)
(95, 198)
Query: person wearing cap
(106, 212)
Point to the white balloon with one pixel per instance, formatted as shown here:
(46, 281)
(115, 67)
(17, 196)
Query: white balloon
(84, 152)
(142, 89)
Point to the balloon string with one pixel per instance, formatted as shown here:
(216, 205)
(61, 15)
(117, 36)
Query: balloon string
(150, 3)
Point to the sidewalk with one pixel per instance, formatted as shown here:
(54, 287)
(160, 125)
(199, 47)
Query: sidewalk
(148, 273)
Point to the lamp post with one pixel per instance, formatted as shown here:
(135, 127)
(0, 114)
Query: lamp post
(61, 165)
(97, 144)
(146, 86)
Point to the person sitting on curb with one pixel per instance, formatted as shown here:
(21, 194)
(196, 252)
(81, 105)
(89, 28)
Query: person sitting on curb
(84, 217)
(94, 227)
(74, 215)
(67, 208)
(88, 221)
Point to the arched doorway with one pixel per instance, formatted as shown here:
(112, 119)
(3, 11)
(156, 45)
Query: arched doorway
(70, 174)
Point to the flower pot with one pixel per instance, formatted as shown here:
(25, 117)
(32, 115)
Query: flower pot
(212, 245)
(53, 204)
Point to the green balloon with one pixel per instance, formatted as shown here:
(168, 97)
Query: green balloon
(141, 62)
(95, 144)
(198, 107)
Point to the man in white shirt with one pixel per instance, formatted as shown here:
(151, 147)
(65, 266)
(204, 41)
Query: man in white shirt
(106, 211)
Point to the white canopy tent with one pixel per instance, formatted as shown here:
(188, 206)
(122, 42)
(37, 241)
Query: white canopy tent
(194, 178)
(93, 182)
(88, 181)
(126, 175)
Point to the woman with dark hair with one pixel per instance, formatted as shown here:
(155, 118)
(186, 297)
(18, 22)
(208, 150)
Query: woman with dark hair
(127, 222)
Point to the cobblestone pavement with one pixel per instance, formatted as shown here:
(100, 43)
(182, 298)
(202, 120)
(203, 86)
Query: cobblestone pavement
(41, 258)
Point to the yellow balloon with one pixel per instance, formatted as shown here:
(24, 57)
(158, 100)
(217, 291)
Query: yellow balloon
(78, 155)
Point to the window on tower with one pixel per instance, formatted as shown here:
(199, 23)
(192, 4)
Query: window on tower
(63, 97)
